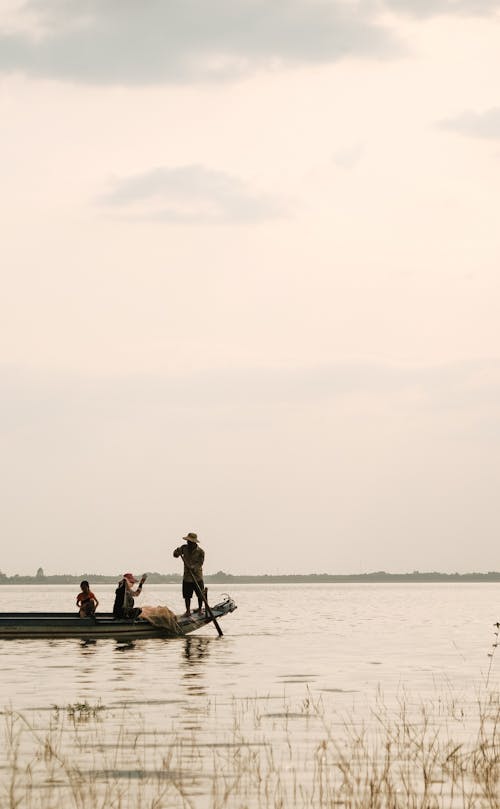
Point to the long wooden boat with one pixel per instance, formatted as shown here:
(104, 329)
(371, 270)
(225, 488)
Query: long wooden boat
(102, 625)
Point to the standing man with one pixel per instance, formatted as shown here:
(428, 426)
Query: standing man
(193, 557)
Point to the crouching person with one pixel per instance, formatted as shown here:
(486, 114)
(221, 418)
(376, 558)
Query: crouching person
(86, 601)
(124, 597)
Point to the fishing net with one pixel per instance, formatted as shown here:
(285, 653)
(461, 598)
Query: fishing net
(162, 617)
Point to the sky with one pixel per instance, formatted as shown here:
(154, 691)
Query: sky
(250, 285)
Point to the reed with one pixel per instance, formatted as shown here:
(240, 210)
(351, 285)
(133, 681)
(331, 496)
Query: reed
(266, 755)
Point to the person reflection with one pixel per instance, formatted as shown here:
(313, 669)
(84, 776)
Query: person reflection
(195, 649)
(88, 643)
(195, 653)
(85, 672)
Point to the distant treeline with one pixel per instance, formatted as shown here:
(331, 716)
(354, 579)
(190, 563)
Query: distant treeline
(227, 578)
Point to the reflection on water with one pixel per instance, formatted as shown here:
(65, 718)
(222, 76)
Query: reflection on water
(124, 645)
(88, 642)
(195, 649)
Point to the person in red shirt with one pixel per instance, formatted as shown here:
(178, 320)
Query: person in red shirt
(86, 600)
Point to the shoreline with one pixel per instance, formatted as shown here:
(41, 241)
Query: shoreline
(379, 577)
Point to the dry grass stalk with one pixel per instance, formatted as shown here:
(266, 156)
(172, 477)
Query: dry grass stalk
(300, 757)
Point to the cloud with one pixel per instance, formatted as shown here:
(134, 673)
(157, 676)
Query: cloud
(433, 8)
(348, 157)
(158, 41)
(475, 124)
(27, 395)
(191, 194)
(129, 42)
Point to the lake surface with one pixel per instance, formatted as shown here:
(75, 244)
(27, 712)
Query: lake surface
(292, 658)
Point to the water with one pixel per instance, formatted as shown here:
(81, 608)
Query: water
(286, 650)
(341, 639)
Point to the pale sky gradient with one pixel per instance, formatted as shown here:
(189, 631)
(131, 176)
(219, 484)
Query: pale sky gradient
(250, 284)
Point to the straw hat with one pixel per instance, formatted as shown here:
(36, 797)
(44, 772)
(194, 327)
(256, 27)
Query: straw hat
(192, 538)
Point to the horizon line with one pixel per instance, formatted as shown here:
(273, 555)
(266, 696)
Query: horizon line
(41, 576)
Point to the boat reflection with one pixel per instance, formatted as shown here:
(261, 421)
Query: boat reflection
(125, 645)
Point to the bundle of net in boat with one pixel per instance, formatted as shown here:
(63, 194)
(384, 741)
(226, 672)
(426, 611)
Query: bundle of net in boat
(163, 618)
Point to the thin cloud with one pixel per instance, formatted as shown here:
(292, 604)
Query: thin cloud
(128, 42)
(348, 157)
(475, 124)
(434, 8)
(191, 194)
(451, 386)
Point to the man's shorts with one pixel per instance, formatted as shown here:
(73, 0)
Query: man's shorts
(188, 588)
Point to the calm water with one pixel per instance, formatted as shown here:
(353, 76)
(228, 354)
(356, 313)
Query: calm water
(347, 639)
(285, 647)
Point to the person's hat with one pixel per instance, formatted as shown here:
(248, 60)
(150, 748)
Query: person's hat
(130, 577)
(192, 538)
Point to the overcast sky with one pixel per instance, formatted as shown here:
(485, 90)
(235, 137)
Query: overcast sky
(250, 284)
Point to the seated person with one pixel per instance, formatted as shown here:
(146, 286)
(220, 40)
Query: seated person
(86, 600)
(124, 597)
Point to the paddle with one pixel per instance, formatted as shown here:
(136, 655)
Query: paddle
(201, 594)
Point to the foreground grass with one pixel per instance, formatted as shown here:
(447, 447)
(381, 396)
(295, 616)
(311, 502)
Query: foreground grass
(427, 756)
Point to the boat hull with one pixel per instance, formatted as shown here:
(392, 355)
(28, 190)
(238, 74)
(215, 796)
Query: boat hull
(103, 625)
